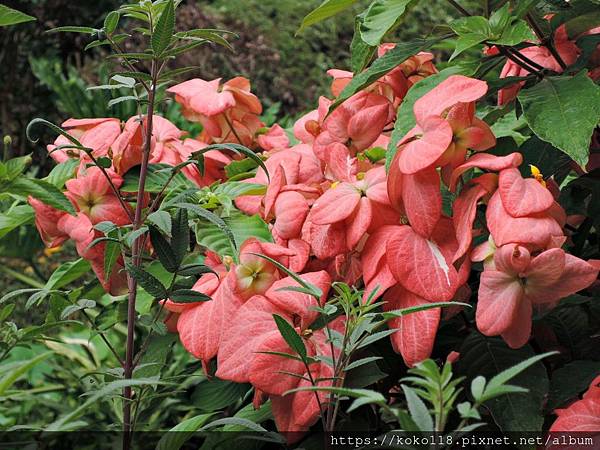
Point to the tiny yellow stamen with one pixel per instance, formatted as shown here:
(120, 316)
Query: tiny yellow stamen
(360, 176)
(334, 184)
(535, 173)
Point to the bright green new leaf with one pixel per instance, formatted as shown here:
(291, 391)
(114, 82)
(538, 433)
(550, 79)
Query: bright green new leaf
(327, 9)
(9, 16)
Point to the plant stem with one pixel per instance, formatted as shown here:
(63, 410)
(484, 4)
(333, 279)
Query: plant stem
(136, 250)
(546, 42)
(459, 8)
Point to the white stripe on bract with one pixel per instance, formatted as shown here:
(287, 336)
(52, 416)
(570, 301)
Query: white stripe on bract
(440, 259)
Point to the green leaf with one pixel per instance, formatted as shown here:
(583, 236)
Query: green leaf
(194, 269)
(164, 29)
(381, 17)
(465, 42)
(13, 375)
(14, 218)
(163, 250)
(235, 148)
(62, 172)
(188, 296)
(212, 218)
(291, 337)
(67, 273)
(418, 411)
(487, 357)
(180, 232)
(112, 251)
(43, 191)
(149, 282)
(110, 22)
(215, 394)
(564, 111)
(327, 9)
(477, 387)
(180, 433)
(381, 66)
(242, 227)
(9, 16)
(361, 52)
(125, 98)
(72, 29)
(101, 394)
(162, 220)
(569, 381)
(79, 306)
(158, 175)
(362, 361)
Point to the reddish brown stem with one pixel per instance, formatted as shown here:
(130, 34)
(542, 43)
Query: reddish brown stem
(136, 251)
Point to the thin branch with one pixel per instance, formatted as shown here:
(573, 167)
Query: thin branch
(545, 41)
(459, 8)
(103, 337)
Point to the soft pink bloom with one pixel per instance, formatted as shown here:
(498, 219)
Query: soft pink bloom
(80, 229)
(221, 107)
(253, 331)
(519, 281)
(275, 138)
(91, 194)
(565, 47)
(582, 415)
(97, 134)
(425, 266)
(352, 203)
(416, 332)
(46, 221)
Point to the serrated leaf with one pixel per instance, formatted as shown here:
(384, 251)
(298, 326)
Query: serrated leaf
(211, 217)
(194, 269)
(564, 111)
(148, 282)
(42, 190)
(180, 232)
(162, 220)
(164, 29)
(418, 411)
(188, 296)
(163, 250)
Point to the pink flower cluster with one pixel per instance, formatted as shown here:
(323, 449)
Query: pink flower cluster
(335, 215)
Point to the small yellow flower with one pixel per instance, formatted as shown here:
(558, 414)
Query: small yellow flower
(52, 250)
